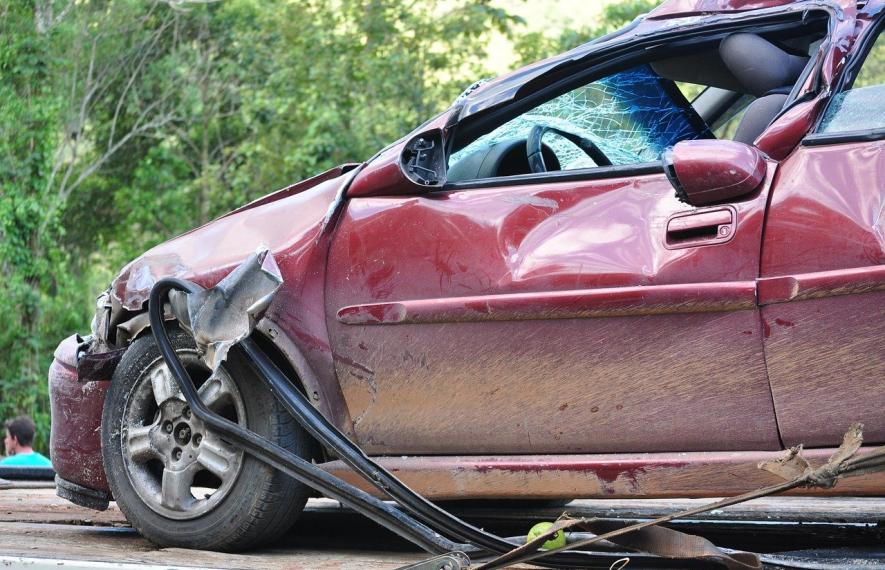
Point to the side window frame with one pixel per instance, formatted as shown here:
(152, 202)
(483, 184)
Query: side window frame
(595, 172)
(854, 65)
(588, 74)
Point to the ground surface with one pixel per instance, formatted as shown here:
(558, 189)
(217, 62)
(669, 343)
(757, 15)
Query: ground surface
(34, 523)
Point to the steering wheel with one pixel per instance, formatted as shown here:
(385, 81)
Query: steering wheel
(536, 157)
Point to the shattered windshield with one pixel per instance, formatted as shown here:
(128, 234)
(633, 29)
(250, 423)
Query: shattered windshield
(632, 116)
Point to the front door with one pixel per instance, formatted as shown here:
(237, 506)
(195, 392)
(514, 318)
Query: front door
(582, 310)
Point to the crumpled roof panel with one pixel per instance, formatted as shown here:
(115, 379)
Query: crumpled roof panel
(672, 8)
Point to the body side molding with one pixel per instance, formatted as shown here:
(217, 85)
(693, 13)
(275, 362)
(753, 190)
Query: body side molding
(586, 303)
(620, 301)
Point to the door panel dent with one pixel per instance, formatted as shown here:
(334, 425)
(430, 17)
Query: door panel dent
(459, 272)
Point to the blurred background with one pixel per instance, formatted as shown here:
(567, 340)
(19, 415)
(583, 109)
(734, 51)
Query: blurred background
(126, 122)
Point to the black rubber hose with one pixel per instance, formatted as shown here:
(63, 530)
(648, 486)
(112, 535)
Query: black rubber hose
(421, 534)
(320, 428)
(279, 457)
(327, 434)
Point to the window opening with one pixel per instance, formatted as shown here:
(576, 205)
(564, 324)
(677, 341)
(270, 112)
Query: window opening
(632, 116)
(861, 107)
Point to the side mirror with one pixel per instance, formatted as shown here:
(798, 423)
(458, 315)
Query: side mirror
(707, 172)
(414, 167)
(424, 159)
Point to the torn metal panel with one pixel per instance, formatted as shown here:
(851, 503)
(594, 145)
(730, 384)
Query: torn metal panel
(292, 224)
(129, 330)
(225, 314)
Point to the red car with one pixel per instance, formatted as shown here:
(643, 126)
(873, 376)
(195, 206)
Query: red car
(572, 283)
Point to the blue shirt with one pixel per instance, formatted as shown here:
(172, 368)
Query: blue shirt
(26, 460)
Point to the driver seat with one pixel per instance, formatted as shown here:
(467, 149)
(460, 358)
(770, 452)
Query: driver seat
(763, 70)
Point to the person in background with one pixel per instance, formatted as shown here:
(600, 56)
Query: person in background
(19, 437)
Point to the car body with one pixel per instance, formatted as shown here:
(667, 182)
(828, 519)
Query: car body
(577, 332)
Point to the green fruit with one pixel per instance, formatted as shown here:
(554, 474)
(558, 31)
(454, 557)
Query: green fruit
(558, 540)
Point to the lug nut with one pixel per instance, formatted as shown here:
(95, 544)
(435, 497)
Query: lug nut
(186, 413)
(168, 427)
(182, 433)
(197, 439)
(176, 453)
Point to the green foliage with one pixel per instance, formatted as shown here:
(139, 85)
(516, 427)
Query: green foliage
(355, 78)
(873, 70)
(538, 45)
(29, 236)
(125, 122)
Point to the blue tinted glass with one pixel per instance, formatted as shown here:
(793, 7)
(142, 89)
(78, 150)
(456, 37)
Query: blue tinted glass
(646, 110)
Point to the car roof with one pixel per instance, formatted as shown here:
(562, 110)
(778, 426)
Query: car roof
(671, 15)
(681, 8)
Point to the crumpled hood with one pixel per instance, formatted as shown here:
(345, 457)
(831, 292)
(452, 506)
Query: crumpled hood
(284, 221)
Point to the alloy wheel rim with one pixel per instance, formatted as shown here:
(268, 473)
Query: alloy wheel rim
(177, 466)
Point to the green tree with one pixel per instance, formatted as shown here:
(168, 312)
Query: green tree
(32, 266)
(533, 46)
(124, 122)
(345, 80)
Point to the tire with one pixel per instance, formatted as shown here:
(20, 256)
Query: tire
(157, 455)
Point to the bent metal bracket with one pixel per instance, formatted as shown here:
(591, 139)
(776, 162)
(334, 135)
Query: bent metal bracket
(221, 319)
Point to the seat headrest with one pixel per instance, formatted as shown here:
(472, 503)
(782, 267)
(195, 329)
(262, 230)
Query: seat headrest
(758, 116)
(759, 65)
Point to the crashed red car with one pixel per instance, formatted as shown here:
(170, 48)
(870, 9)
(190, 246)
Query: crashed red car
(572, 283)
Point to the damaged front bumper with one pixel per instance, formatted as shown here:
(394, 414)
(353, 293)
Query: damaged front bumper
(79, 378)
(75, 440)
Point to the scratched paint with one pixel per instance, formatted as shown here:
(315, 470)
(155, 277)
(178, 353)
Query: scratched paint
(650, 373)
(291, 222)
(706, 474)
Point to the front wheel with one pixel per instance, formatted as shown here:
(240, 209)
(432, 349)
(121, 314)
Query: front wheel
(181, 484)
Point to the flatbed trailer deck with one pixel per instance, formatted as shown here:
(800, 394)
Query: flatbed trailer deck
(40, 530)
